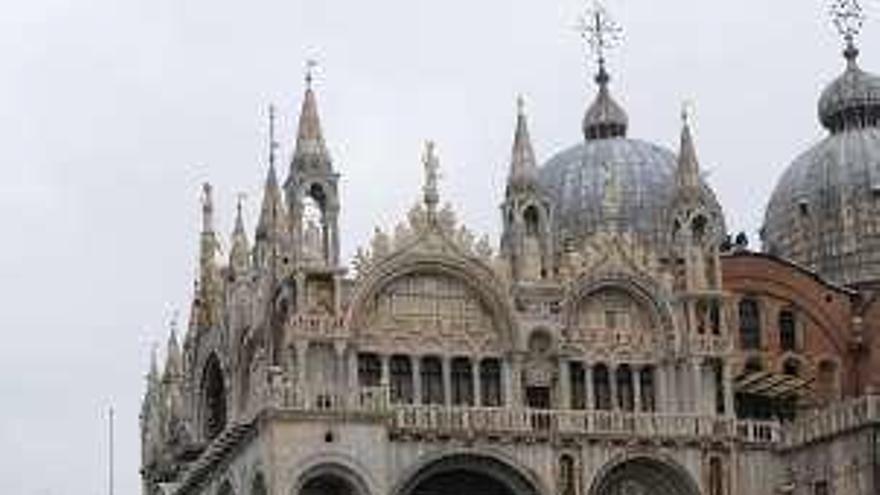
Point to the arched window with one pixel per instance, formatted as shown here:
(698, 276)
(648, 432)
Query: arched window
(567, 476)
(225, 489)
(462, 382)
(791, 367)
(577, 376)
(787, 330)
(716, 476)
(259, 485)
(625, 397)
(490, 382)
(432, 380)
(532, 220)
(750, 324)
(214, 391)
(369, 370)
(401, 380)
(602, 387)
(698, 229)
(648, 395)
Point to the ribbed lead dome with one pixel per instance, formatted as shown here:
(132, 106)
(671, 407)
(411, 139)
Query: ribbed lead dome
(577, 178)
(853, 99)
(825, 210)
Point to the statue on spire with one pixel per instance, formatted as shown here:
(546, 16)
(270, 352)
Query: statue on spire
(432, 177)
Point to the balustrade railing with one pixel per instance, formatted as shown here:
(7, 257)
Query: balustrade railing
(497, 421)
(832, 420)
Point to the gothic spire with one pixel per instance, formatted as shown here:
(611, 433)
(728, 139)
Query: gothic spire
(208, 250)
(688, 173)
(153, 375)
(239, 253)
(523, 169)
(310, 148)
(272, 209)
(173, 358)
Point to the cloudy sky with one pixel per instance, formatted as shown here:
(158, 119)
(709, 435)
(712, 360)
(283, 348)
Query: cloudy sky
(115, 111)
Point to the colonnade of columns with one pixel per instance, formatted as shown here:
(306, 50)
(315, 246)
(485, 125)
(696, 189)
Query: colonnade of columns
(688, 386)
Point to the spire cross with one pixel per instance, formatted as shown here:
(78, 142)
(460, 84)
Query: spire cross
(310, 70)
(600, 32)
(687, 111)
(241, 197)
(849, 18)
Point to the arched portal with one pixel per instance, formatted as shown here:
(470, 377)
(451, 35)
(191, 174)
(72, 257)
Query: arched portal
(214, 399)
(330, 479)
(468, 474)
(328, 484)
(644, 476)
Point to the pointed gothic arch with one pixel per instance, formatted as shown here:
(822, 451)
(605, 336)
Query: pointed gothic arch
(214, 398)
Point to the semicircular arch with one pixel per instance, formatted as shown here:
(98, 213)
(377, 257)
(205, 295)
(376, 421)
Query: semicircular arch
(648, 473)
(503, 471)
(476, 278)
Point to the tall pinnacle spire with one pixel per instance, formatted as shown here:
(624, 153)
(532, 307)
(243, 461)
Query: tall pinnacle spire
(173, 358)
(688, 173)
(310, 151)
(239, 253)
(523, 169)
(271, 211)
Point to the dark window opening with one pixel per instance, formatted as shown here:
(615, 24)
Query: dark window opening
(432, 381)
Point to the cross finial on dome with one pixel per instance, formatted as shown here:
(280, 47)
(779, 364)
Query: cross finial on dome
(601, 34)
(849, 18)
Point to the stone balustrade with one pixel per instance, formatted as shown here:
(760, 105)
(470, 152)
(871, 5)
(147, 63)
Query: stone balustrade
(439, 420)
(833, 420)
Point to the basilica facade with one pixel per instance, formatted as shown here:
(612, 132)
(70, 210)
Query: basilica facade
(615, 341)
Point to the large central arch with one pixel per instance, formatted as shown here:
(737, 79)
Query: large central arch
(467, 474)
(644, 476)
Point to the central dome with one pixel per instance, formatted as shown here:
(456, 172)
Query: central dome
(577, 178)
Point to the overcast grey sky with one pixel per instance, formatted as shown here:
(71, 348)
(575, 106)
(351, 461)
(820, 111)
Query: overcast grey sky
(115, 111)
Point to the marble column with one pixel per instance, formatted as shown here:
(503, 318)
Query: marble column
(727, 383)
(302, 389)
(477, 388)
(697, 387)
(637, 388)
(446, 365)
(417, 379)
(612, 386)
(588, 385)
(564, 385)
